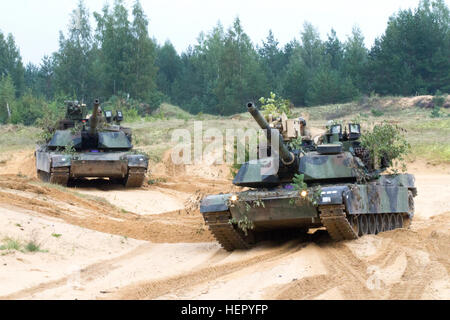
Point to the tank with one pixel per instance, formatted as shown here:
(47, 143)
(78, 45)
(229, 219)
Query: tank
(90, 147)
(346, 192)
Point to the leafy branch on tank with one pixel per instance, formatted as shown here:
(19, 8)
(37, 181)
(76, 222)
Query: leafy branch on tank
(244, 224)
(295, 144)
(387, 146)
(313, 194)
(76, 128)
(48, 128)
(258, 203)
(299, 183)
(68, 149)
(275, 106)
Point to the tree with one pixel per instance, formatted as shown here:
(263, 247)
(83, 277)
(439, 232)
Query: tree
(312, 49)
(46, 77)
(328, 87)
(296, 80)
(143, 69)
(333, 51)
(169, 67)
(115, 42)
(241, 77)
(11, 63)
(355, 59)
(412, 55)
(271, 59)
(73, 61)
(7, 98)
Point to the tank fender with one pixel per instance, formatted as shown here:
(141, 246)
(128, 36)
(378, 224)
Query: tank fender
(215, 203)
(137, 160)
(333, 195)
(42, 161)
(63, 160)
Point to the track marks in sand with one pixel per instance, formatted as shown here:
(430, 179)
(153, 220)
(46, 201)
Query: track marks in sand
(239, 260)
(86, 274)
(400, 264)
(345, 271)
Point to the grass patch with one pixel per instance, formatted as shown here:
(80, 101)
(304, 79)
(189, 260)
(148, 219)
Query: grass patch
(56, 235)
(32, 246)
(435, 152)
(377, 113)
(156, 181)
(17, 137)
(429, 139)
(11, 245)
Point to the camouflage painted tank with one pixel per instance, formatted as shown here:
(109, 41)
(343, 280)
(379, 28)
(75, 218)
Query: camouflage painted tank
(94, 147)
(344, 193)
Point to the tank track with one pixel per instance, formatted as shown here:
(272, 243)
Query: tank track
(56, 176)
(225, 233)
(335, 220)
(135, 178)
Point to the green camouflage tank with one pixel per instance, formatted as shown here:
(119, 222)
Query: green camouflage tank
(345, 192)
(89, 148)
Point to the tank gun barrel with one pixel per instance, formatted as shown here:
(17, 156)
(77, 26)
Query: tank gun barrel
(94, 118)
(287, 157)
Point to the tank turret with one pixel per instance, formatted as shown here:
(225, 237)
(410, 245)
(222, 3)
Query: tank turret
(75, 113)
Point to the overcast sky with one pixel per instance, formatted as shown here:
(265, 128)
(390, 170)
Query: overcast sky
(35, 24)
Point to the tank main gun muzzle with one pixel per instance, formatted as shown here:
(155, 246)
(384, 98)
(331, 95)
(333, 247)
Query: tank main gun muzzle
(286, 156)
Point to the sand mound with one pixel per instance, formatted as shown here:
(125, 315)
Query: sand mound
(98, 214)
(20, 162)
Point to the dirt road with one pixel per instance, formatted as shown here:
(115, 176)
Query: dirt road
(97, 240)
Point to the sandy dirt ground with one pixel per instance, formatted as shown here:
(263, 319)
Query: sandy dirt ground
(99, 241)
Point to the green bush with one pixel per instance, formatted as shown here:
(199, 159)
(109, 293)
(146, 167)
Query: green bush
(377, 113)
(438, 101)
(386, 141)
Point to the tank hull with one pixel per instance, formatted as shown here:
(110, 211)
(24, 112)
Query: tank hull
(340, 208)
(59, 168)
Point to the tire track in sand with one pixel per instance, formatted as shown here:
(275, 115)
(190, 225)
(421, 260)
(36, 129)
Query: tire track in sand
(156, 288)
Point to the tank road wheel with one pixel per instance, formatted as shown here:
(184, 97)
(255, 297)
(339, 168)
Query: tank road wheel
(379, 222)
(135, 178)
(398, 221)
(387, 222)
(354, 223)
(391, 221)
(363, 225)
(372, 224)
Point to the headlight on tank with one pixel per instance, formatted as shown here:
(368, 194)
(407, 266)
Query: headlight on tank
(304, 193)
(233, 198)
